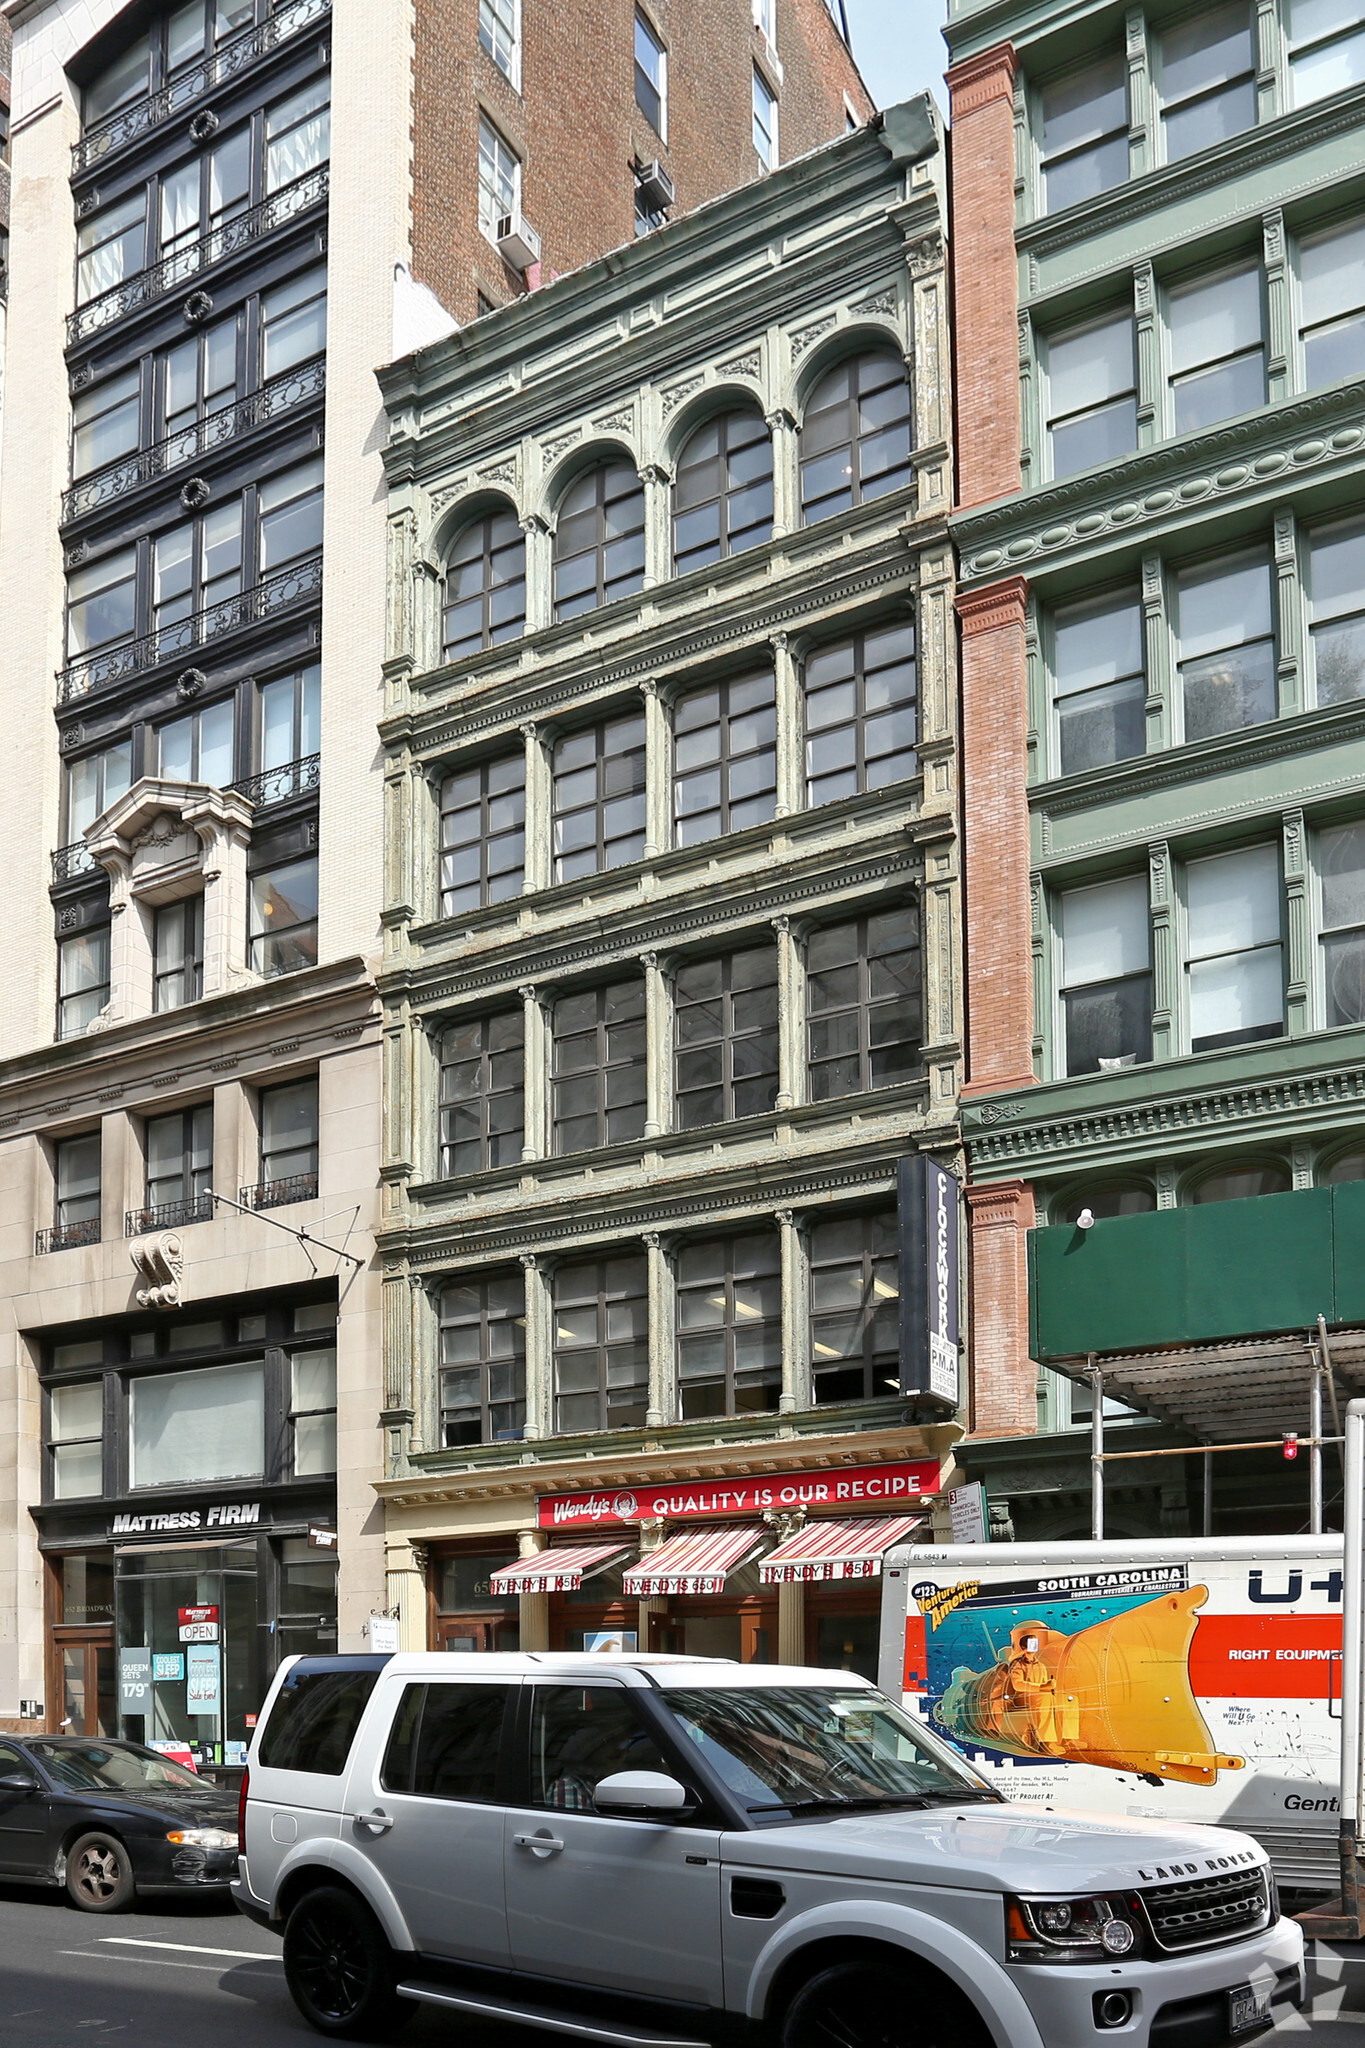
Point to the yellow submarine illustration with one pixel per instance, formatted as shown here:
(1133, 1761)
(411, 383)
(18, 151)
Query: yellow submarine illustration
(1117, 1695)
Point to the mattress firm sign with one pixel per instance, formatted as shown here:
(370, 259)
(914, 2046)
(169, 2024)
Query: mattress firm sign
(238, 1514)
(856, 1486)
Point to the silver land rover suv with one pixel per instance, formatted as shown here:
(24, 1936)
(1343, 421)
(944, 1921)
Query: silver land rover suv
(663, 1852)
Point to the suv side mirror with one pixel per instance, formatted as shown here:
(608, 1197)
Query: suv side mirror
(642, 1795)
(18, 1781)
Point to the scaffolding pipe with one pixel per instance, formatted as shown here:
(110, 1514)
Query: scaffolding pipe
(1208, 1494)
(1096, 1451)
(1265, 1443)
(1315, 1456)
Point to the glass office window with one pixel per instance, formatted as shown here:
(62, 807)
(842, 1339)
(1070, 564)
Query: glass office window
(1217, 349)
(1336, 611)
(1341, 868)
(855, 1307)
(82, 980)
(105, 421)
(483, 834)
(1099, 683)
(76, 1437)
(598, 1083)
(863, 1003)
(651, 76)
(1326, 47)
(178, 953)
(601, 1344)
(1332, 304)
(185, 1427)
(1083, 135)
(729, 1295)
(1106, 976)
(313, 1411)
(485, 588)
(483, 1359)
(599, 541)
(860, 713)
(598, 797)
(482, 1102)
(765, 121)
(284, 918)
(724, 758)
(1208, 78)
(725, 1037)
(200, 748)
(1235, 953)
(1091, 395)
(95, 782)
(1226, 645)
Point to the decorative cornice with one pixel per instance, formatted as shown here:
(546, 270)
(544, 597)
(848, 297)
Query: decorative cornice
(661, 927)
(1002, 1133)
(986, 611)
(1188, 476)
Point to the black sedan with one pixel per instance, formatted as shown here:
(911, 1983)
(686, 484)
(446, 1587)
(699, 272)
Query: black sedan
(109, 1819)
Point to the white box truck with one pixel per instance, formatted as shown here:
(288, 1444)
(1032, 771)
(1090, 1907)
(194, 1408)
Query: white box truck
(1195, 1680)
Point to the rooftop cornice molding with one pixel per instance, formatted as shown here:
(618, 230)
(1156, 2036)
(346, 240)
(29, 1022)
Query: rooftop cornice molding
(845, 187)
(973, 30)
(1326, 726)
(1253, 460)
(1252, 150)
(1178, 1107)
(716, 904)
(76, 1078)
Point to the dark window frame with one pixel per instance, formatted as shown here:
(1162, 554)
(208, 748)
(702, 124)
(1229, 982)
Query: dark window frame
(615, 786)
(488, 1063)
(731, 1044)
(736, 1322)
(724, 492)
(867, 1005)
(824, 421)
(732, 765)
(193, 1180)
(606, 1298)
(863, 720)
(492, 541)
(494, 819)
(598, 513)
(874, 1364)
(616, 1070)
(493, 1397)
(177, 985)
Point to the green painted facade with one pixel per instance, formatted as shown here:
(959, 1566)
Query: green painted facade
(1278, 484)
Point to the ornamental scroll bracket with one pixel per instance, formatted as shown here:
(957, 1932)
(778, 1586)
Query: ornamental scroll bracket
(161, 1262)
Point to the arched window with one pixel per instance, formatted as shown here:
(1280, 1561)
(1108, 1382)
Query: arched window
(485, 585)
(855, 437)
(1237, 1183)
(1351, 1166)
(723, 490)
(599, 539)
(1109, 1199)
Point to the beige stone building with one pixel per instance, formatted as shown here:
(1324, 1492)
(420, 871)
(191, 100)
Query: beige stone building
(226, 213)
(671, 983)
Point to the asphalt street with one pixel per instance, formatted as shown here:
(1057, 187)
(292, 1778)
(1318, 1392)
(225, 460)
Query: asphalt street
(194, 1974)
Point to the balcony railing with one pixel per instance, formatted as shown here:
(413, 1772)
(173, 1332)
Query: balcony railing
(276, 1194)
(129, 123)
(193, 443)
(277, 785)
(68, 862)
(276, 594)
(64, 1237)
(168, 1215)
(145, 287)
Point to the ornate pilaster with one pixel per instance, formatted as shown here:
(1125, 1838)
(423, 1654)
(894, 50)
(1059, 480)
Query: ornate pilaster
(1279, 313)
(537, 869)
(658, 534)
(539, 1348)
(535, 1126)
(1289, 673)
(1298, 926)
(791, 1031)
(539, 578)
(658, 1046)
(1140, 152)
(663, 1394)
(1156, 647)
(786, 486)
(787, 684)
(658, 825)
(797, 1387)
(1147, 350)
(1165, 952)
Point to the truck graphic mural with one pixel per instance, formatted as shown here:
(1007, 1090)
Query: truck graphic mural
(1116, 1693)
(1196, 1680)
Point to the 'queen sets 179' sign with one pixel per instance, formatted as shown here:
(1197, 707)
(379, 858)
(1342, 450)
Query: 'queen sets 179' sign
(851, 1486)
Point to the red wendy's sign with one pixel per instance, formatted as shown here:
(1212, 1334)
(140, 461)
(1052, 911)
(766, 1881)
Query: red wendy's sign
(845, 1487)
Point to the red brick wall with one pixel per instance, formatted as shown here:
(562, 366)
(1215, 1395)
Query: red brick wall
(985, 276)
(1004, 1377)
(996, 839)
(576, 127)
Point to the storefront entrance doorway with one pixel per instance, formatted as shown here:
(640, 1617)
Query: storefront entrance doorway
(749, 1636)
(189, 1614)
(89, 1695)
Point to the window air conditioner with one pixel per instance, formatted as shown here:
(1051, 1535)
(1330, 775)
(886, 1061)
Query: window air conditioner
(518, 242)
(654, 187)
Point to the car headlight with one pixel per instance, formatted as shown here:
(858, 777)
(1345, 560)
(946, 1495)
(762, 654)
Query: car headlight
(1089, 1930)
(203, 1838)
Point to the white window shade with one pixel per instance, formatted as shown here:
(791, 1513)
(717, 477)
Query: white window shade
(1223, 606)
(1096, 643)
(1105, 932)
(190, 1426)
(77, 1411)
(1209, 321)
(1234, 902)
(1084, 369)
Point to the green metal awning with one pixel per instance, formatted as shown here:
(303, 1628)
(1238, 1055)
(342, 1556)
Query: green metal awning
(1242, 1391)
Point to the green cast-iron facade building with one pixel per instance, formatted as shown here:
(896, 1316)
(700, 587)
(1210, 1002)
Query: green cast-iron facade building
(1162, 593)
(672, 970)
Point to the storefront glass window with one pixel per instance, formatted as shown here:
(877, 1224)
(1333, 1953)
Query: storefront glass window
(190, 1426)
(307, 1618)
(201, 1691)
(848, 1642)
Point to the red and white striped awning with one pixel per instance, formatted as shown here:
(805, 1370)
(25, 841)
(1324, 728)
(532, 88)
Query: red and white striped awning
(694, 1561)
(557, 1571)
(837, 1550)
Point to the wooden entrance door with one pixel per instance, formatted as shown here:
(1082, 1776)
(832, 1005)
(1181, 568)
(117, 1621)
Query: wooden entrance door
(86, 1692)
(459, 1632)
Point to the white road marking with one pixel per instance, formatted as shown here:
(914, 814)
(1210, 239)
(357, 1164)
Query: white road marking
(189, 1948)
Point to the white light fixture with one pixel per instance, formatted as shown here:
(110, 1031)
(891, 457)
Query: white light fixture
(1085, 1220)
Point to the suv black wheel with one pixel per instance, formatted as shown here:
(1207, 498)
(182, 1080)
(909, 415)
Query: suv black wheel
(340, 1969)
(99, 1874)
(866, 2003)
